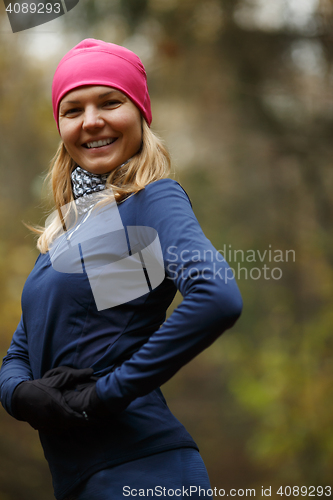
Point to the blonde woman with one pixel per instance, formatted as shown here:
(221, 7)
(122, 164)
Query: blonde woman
(92, 348)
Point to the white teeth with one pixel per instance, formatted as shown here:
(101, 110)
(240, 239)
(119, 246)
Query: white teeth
(98, 144)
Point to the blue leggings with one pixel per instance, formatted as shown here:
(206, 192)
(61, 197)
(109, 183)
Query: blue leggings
(176, 473)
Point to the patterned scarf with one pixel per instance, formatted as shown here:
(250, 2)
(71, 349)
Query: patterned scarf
(84, 182)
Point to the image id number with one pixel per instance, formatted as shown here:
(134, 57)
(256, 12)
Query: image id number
(33, 8)
(311, 491)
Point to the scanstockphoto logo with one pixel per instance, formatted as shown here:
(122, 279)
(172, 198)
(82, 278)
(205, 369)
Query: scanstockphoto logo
(24, 14)
(122, 263)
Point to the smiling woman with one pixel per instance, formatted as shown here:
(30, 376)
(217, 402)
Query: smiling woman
(100, 128)
(89, 355)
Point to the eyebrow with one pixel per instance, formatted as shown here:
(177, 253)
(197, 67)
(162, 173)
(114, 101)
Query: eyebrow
(99, 97)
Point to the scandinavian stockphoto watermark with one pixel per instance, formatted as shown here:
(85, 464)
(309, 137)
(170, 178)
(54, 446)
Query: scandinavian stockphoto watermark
(25, 14)
(243, 264)
(124, 263)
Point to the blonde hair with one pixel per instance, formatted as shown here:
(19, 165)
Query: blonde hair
(150, 164)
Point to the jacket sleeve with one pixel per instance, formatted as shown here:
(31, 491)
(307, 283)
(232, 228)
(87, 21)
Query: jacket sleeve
(15, 367)
(211, 299)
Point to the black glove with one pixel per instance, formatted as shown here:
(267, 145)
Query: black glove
(41, 403)
(65, 377)
(84, 400)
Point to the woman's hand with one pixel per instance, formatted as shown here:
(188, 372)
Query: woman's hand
(84, 400)
(41, 402)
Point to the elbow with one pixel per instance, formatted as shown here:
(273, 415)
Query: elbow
(236, 305)
(235, 309)
(230, 308)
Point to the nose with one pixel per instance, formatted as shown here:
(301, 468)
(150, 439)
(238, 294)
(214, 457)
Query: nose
(92, 118)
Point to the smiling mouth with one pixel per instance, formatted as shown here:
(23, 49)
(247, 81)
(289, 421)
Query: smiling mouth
(99, 144)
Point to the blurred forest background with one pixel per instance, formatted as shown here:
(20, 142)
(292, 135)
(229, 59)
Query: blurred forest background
(242, 94)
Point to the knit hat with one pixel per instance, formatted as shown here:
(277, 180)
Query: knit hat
(94, 62)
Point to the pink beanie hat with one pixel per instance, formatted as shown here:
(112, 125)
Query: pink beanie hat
(94, 62)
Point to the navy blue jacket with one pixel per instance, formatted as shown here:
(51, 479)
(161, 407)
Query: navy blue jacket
(61, 325)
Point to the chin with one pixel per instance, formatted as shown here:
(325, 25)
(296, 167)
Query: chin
(98, 170)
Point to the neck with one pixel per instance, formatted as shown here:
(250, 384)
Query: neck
(84, 182)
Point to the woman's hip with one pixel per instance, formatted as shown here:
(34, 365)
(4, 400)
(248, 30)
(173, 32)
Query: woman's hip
(179, 473)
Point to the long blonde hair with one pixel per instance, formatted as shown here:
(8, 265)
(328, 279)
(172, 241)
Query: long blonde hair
(150, 164)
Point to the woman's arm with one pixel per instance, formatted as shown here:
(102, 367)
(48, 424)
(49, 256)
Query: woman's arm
(15, 367)
(39, 402)
(212, 301)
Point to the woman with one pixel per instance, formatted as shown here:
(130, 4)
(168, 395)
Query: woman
(93, 347)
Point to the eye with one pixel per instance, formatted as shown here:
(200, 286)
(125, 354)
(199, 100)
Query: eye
(112, 103)
(71, 111)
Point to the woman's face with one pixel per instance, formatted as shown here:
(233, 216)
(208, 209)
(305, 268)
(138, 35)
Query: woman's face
(100, 127)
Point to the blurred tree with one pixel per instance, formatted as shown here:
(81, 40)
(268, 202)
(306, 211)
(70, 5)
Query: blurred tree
(241, 92)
